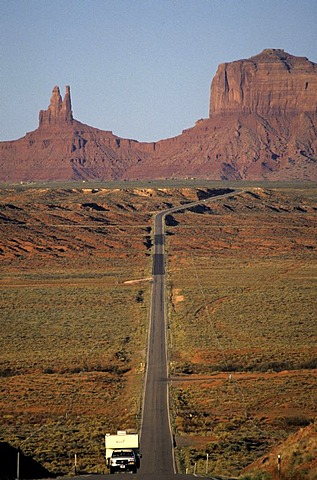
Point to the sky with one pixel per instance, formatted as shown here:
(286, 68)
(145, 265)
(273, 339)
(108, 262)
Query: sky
(140, 68)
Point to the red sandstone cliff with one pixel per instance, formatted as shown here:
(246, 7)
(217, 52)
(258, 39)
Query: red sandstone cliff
(262, 125)
(272, 83)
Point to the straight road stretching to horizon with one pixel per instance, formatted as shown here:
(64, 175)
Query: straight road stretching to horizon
(157, 444)
(156, 435)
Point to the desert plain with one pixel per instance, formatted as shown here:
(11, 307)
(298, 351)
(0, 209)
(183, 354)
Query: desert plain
(75, 292)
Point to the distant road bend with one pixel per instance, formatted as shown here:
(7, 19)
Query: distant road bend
(157, 445)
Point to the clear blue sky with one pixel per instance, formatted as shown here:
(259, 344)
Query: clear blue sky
(141, 68)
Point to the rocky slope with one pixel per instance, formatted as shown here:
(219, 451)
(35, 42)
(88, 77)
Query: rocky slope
(262, 125)
(297, 457)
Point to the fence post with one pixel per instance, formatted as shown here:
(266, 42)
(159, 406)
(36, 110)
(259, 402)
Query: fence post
(18, 465)
(279, 465)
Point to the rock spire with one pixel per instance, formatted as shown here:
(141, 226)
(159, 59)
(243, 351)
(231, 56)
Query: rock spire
(262, 126)
(59, 111)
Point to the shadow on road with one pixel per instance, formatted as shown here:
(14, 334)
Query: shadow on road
(158, 264)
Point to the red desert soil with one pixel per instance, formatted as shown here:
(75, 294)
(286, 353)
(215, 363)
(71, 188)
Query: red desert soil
(82, 257)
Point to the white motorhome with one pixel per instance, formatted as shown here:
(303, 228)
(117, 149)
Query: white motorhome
(122, 451)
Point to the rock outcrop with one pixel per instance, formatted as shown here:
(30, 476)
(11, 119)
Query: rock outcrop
(271, 83)
(262, 126)
(59, 111)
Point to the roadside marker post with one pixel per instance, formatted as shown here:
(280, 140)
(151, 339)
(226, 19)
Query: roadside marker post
(18, 465)
(279, 465)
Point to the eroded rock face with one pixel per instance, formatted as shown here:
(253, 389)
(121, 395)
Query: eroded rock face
(262, 126)
(271, 83)
(59, 111)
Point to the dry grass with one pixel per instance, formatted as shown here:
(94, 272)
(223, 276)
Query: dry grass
(242, 277)
(237, 418)
(243, 315)
(72, 352)
(74, 333)
(242, 289)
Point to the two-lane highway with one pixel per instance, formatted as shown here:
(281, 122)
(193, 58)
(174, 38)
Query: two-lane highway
(157, 446)
(156, 436)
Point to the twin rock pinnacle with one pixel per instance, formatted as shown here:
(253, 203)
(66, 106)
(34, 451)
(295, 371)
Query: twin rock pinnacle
(59, 111)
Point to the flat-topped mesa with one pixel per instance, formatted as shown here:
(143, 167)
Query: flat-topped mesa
(59, 111)
(270, 83)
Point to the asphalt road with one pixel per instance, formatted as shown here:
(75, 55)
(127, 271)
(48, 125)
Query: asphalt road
(157, 445)
(156, 437)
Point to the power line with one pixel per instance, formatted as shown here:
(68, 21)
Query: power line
(222, 349)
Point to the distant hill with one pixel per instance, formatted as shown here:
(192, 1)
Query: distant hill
(262, 125)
